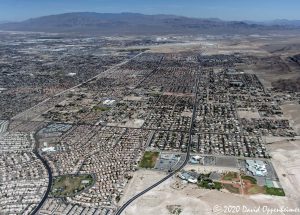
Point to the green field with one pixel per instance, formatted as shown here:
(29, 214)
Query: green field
(209, 184)
(229, 176)
(255, 189)
(249, 178)
(69, 185)
(100, 108)
(149, 159)
(274, 191)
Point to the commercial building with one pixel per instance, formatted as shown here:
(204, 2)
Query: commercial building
(256, 167)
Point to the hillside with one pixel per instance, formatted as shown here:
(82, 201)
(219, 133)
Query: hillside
(134, 23)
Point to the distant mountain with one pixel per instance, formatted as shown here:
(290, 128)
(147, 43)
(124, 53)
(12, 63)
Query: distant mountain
(2, 22)
(134, 23)
(277, 22)
(286, 22)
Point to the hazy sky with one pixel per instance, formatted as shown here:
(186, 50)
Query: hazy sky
(13, 10)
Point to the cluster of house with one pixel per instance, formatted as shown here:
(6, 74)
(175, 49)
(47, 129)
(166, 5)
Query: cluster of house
(109, 153)
(23, 177)
(229, 144)
(16, 141)
(30, 67)
(56, 206)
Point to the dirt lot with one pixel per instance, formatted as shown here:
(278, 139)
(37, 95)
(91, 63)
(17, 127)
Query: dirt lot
(248, 114)
(291, 111)
(208, 169)
(286, 155)
(192, 200)
(161, 198)
(286, 161)
(141, 180)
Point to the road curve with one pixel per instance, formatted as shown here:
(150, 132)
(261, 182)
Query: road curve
(124, 206)
(36, 209)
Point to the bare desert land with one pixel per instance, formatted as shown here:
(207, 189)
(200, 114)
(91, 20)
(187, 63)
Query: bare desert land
(192, 200)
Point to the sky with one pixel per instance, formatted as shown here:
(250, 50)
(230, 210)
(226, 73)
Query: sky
(256, 10)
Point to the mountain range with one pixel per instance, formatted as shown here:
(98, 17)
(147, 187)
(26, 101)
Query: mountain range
(277, 22)
(135, 23)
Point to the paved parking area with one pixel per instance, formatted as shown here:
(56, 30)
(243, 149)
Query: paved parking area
(226, 162)
(167, 162)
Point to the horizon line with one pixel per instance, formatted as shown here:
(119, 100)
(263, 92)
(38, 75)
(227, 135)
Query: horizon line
(150, 14)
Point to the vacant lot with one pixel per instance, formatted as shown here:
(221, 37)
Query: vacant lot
(188, 198)
(291, 111)
(248, 114)
(141, 179)
(149, 159)
(286, 161)
(250, 186)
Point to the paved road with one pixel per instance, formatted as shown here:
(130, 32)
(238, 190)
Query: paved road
(150, 74)
(124, 206)
(49, 182)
